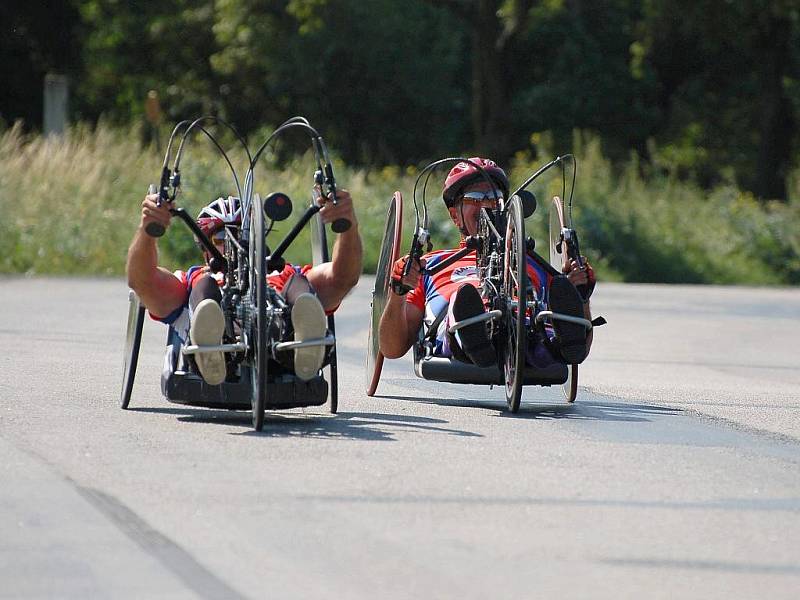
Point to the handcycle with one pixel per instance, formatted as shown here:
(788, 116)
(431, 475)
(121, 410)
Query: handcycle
(514, 309)
(255, 314)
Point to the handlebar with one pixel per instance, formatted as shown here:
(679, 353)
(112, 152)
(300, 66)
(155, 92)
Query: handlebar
(157, 229)
(569, 237)
(338, 225)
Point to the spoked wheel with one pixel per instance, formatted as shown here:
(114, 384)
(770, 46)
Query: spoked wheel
(515, 285)
(133, 340)
(390, 248)
(559, 220)
(258, 300)
(319, 255)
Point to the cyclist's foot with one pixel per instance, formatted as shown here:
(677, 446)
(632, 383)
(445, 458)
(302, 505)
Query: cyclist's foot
(473, 339)
(309, 322)
(570, 338)
(206, 329)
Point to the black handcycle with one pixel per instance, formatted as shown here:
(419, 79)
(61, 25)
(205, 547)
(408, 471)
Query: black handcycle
(514, 309)
(255, 314)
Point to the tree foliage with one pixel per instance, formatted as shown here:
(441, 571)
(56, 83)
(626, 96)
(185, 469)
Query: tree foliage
(702, 90)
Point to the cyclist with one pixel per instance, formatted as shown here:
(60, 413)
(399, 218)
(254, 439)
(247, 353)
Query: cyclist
(189, 300)
(456, 288)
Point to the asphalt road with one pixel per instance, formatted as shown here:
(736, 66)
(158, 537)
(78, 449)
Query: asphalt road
(675, 475)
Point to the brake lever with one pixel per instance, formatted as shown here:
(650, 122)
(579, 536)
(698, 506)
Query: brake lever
(420, 240)
(157, 229)
(570, 238)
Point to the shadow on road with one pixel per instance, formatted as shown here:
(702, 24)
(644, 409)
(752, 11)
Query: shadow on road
(581, 410)
(344, 425)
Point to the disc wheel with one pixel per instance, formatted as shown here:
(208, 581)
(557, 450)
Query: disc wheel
(558, 258)
(515, 285)
(258, 302)
(390, 248)
(133, 340)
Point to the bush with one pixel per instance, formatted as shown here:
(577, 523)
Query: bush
(72, 204)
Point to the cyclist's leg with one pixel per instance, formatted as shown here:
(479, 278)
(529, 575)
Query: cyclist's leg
(207, 327)
(307, 321)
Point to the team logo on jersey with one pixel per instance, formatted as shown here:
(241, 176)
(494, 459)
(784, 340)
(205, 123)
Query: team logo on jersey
(461, 273)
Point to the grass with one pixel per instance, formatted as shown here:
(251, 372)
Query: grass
(71, 204)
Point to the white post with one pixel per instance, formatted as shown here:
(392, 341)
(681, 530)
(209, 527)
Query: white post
(56, 95)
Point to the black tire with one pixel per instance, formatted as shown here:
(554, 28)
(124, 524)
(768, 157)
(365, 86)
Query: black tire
(133, 341)
(515, 287)
(259, 329)
(558, 258)
(333, 375)
(390, 248)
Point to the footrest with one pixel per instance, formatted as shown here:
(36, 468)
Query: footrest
(193, 349)
(286, 391)
(328, 340)
(549, 314)
(437, 368)
(487, 316)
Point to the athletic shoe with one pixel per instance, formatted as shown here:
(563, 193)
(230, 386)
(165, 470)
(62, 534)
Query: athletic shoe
(473, 339)
(570, 338)
(309, 322)
(206, 329)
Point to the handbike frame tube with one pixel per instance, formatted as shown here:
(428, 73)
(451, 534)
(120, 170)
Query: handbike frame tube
(190, 223)
(286, 242)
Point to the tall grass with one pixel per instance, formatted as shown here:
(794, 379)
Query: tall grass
(70, 205)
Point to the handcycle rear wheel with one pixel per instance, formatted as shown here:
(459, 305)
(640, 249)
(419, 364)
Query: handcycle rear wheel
(258, 295)
(133, 340)
(515, 286)
(559, 220)
(319, 255)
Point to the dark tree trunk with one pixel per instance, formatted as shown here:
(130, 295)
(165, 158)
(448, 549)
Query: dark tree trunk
(490, 41)
(776, 124)
(491, 121)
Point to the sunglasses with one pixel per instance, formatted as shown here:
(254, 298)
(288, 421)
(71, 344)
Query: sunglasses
(219, 237)
(489, 196)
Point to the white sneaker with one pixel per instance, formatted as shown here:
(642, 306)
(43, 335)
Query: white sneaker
(206, 329)
(309, 321)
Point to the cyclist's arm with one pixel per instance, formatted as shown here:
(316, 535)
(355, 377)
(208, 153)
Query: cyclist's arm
(159, 290)
(333, 280)
(400, 323)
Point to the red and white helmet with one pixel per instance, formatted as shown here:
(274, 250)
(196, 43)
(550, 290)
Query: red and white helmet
(464, 173)
(221, 212)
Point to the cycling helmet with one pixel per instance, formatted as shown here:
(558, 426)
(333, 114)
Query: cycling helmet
(218, 214)
(465, 173)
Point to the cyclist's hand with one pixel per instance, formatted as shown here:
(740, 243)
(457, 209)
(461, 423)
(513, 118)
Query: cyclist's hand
(343, 209)
(581, 275)
(402, 284)
(153, 213)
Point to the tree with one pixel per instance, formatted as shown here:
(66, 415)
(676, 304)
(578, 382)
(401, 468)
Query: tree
(726, 71)
(35, 38)
(131, 48)
(381, 80)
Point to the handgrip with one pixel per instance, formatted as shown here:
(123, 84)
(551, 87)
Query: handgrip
(574, 253)
(340, 225)
(154, 229)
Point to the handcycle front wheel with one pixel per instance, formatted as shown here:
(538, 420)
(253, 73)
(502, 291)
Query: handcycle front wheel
(515, 286)
(559, 220)
(258, 296)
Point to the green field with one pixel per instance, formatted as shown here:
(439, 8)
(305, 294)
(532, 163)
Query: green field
(70, 206)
